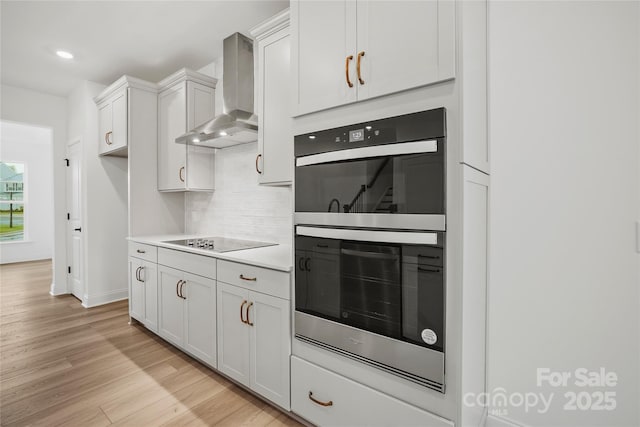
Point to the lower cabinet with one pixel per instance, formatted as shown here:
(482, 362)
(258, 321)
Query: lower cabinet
(143, 292)
(187, 312)
(325, 398)
(254, 341)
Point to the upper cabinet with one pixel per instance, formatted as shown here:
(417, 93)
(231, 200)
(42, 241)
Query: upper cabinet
(114, 112)
(186, 100)
(352, 50)
(274, 161)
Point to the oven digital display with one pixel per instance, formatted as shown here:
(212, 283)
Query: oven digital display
(356, 135)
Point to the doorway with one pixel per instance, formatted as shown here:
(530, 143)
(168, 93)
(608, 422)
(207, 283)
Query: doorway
(75, 283)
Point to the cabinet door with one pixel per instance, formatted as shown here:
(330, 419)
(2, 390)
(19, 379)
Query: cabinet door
(200, 160)
(149, 275)
(105, 127)
(406, 44)
(120, 128)
(200, 317)
(171, 322)
(270, 347)
(233, 334)
(275, 139)
(325, 36)
(136, 290)
(172, 122)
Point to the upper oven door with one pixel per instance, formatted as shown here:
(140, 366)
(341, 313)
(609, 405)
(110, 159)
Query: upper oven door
(399, 185)
(387, 174)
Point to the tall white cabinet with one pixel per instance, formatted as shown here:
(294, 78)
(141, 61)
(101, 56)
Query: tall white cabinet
(358, 60)
(274, 161)
(373, 48)
(186, 99)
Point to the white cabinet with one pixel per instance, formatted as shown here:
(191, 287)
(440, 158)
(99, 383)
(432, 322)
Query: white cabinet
(116, 106)
(325, 398)
(187, 306)
(274, 162)
(186, 100)
(254, 333)
(351, 50)
(143, 285)
(112, 118)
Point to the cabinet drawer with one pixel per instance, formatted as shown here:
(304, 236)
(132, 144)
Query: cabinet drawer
(142, 251)
(272, 282)
(351, 403)
(191, 263)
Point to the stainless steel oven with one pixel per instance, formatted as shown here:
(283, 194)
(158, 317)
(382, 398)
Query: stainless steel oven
(370, 243)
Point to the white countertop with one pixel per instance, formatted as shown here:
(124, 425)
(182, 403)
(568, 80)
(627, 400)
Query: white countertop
(276, 257)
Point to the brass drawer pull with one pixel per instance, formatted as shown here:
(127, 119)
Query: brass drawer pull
(360, 55)
(329, 403)
(244, 302)
(184, 282)
(346, 70)
(249, 321)
(249, 279)
(107, 139)
(257, 160)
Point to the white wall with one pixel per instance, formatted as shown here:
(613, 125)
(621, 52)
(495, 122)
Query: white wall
(40, 109)
(32, 146)
(104, 202)
(240, 207)
(564, 276)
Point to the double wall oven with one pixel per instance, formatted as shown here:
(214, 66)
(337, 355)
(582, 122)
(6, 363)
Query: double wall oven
(370, 243)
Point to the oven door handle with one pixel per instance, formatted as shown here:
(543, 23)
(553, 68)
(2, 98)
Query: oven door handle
(397, 149)
(406, 237)
(367, 254)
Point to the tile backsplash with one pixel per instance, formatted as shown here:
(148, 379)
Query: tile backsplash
(240, 207)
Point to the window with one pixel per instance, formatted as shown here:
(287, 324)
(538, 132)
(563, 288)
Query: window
(12, 201)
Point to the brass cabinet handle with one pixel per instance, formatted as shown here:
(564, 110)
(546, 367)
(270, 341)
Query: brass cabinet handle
(319, 402)
(184, 282)
(178, 283)
(138, 274)
(257, 160)
(249, 321)
(244, 302)
(249, 279)
(360, 55)
(181, 174)
(107, 139)
(346, 70)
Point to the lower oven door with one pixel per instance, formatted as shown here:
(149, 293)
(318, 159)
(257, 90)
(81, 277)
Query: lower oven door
(374, 295)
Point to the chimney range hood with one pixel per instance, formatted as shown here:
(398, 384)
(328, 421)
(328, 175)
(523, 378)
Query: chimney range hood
(238, 124)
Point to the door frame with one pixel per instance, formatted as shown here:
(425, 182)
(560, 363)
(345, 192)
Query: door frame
(68, 230)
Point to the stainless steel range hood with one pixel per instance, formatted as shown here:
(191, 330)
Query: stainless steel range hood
(238, 124)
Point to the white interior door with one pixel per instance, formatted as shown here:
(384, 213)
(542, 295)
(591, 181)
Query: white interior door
(74, 223)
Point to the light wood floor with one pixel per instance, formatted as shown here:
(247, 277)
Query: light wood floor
(62, 364)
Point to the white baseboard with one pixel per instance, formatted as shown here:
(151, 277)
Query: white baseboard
(106, 298)
(58, 290)
(497, 421)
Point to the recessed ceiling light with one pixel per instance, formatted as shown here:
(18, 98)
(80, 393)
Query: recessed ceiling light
(312, 137)
(64, 54)
(223, 133)
(195, 140)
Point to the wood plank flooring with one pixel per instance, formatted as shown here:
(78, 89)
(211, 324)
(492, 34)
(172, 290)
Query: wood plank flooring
(62, 364)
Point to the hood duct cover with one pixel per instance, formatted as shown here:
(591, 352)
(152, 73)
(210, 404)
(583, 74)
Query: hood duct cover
(238, 124)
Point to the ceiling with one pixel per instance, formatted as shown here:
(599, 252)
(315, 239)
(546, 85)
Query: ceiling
(145, 39)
